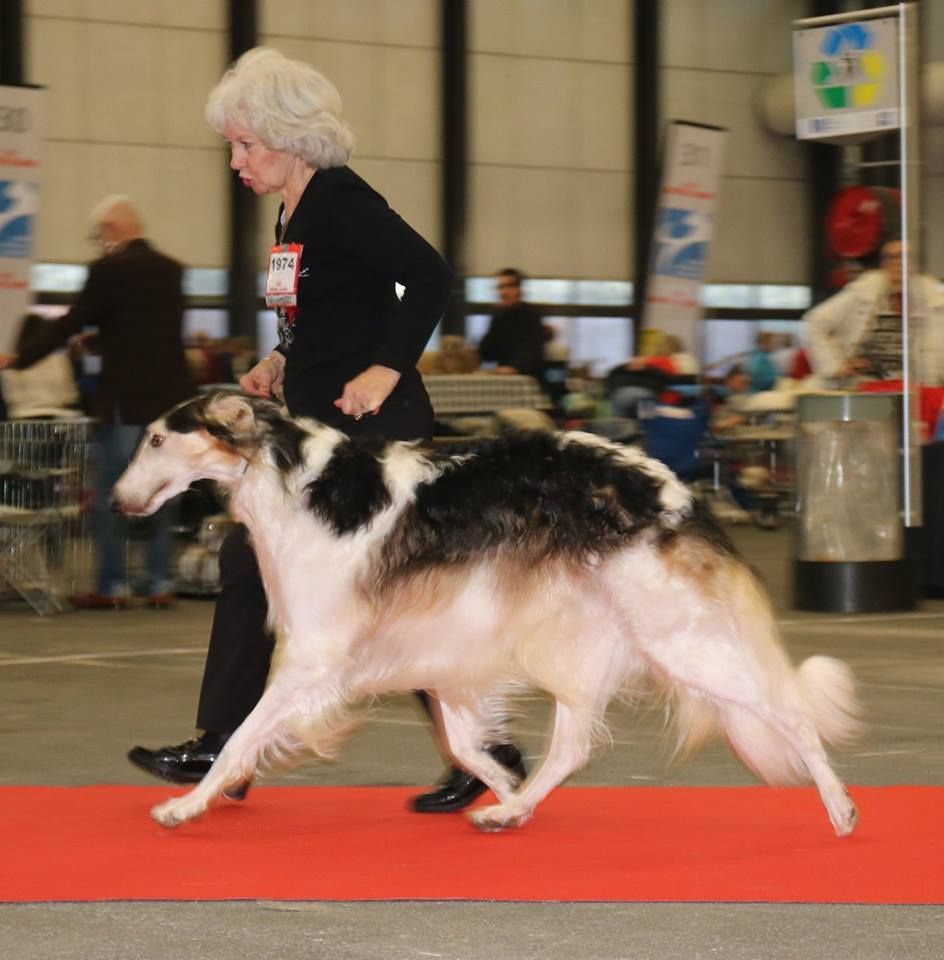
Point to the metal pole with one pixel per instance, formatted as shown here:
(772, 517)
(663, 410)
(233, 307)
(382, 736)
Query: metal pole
(646, 149)
(243, 218)
(909, 121)
(11, 42)
(455, 164)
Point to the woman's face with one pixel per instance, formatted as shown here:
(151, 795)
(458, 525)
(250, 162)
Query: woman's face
(260, 168)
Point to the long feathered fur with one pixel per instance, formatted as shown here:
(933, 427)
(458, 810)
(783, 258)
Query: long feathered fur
(561, 562)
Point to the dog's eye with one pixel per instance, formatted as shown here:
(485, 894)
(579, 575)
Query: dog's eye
(156, 440)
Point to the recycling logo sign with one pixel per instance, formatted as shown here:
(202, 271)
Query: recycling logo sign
(846, 78)
(851, 71)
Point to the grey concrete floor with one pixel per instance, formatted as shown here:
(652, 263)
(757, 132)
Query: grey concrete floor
(78, 689)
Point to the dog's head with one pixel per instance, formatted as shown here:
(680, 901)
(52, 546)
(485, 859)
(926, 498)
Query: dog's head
(208, 438)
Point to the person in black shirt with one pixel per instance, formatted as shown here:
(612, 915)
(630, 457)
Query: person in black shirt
(347, 353)
(516, 335)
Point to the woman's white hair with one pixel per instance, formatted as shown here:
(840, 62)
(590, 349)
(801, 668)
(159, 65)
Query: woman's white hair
(287, 104)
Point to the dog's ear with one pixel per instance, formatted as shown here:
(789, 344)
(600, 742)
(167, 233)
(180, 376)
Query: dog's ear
(232, 414)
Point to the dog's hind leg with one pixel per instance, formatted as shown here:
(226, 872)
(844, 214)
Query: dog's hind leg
(763, 714)
(800, 734)
(266, 726)
(569, 749)
(467, 732)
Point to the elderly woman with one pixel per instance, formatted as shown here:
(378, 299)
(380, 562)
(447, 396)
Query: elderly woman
(346, 355)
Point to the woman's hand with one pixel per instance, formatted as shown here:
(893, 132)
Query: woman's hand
(367, 391)
(265, 378)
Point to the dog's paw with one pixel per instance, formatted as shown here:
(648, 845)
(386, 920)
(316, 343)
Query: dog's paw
(175, 812)
(497, 817)
(847, 818)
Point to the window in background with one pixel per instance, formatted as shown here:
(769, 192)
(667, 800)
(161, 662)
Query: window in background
(49, 311)
(727, 342)
(267, 331)
(767, 296)
(476, 326)
(205, 282)
(213, 322)
(57, 277)
(600, 343)
(70, 278)
(604, 293)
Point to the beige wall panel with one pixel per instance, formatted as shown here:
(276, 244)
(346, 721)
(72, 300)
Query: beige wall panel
(190, 216)
(55, 8)
(181, 194)
(932, 37)
(550, 113)
(196, 14)
(143, 85)
(743, 35)
(933, 150)
(932, 34)
(390, 94)
(407, 97)
(581, 29)
(62, 227)
(602, 241)
(762, 233)
(189, 65)
(933, 229)
(727, 100)
(57, 58)
(404, 22)
(124, 97)
(550, 223)
(202, 14)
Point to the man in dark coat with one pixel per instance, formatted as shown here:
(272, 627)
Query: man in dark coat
(133, 298)
(516, 336)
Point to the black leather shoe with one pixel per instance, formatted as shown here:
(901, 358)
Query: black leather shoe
(458, 788)
(188, 762)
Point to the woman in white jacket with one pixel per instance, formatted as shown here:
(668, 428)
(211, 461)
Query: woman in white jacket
(856, 332)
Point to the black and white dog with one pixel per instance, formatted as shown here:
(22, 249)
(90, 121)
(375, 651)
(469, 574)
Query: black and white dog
(559, 562)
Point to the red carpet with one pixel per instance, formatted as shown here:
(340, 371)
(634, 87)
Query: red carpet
(738, 844)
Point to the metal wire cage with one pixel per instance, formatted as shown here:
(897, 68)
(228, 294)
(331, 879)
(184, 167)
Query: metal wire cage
(45, 543)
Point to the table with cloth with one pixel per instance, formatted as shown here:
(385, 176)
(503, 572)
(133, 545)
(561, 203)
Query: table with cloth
(465, 394)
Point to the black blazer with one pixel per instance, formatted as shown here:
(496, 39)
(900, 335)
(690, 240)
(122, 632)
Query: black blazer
(355, 250)
(135, 298)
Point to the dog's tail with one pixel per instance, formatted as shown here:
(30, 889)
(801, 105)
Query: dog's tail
(821, 691)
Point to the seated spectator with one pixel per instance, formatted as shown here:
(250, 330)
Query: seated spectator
(516, 335)
(659, 363)
(730, 412)
(761, 367)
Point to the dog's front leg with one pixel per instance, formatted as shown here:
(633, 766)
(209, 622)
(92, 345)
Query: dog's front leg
(238, 760)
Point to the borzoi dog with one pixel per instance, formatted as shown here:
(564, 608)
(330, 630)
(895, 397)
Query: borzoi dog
(564, 563)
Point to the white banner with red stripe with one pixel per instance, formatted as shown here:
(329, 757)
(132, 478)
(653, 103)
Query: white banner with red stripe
(20, 174)
(684, 223)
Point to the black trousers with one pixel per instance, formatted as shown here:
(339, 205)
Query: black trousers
(240, 650)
